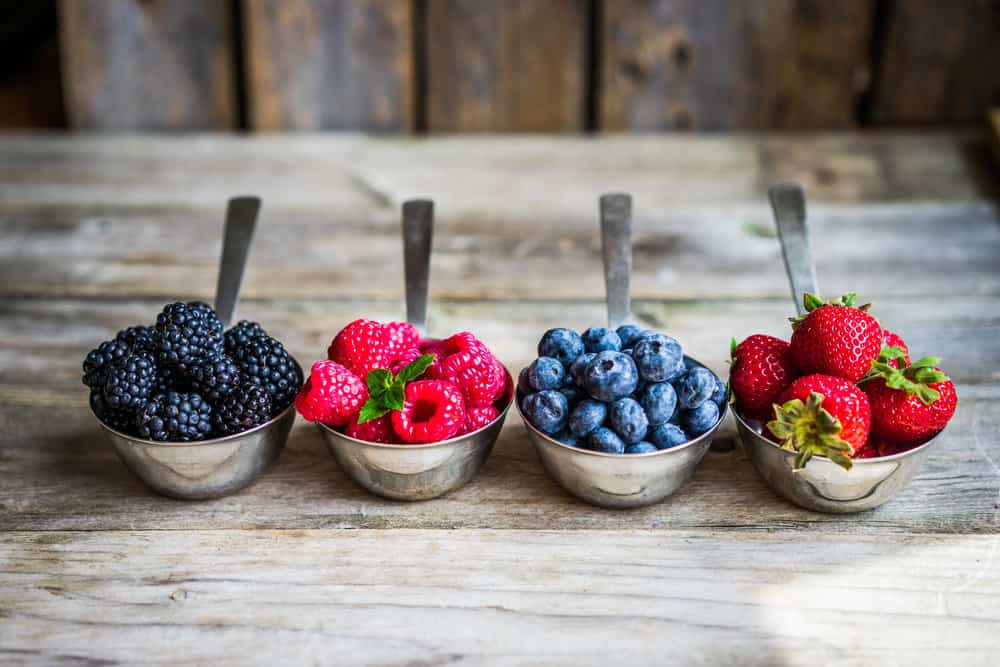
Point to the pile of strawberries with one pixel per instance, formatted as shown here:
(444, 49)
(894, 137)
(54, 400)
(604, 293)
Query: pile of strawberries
(384, 383)
(843, 388)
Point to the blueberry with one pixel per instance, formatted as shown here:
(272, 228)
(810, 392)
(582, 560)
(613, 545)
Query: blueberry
(546, 373)
(578, 366)
(561, 344)
(567, 438)
(610, 376)
(522, 381)
(599, 339)
(641, 447)
(629, 334)
(700, 419)
(666, 436)
(696, 387)
(719, 394)
(587, 417)
(659, 400)
(658, 357)
(605, 440)
(628, 420)
(547, 410)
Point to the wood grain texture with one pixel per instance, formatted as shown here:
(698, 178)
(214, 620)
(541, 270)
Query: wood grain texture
(505, 598)
(153, 65)
(723, 65)
(515, 66)
(938, 63)
(319, 65)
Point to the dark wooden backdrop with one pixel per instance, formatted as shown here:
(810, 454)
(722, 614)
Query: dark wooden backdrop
(499, 65)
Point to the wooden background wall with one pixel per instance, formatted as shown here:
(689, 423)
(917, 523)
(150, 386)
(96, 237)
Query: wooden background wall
(497, 65)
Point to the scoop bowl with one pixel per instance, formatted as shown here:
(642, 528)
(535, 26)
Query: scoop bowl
(822, 485)
(620, 481)
(415, 472)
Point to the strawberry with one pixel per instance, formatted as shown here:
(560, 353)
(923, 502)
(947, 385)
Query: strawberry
(376, 430)
(433, 410)
(910, 405)
(890, 339)
(824, 415)
(472, 367)
(402, 336)
(762, 369)
(835, 338)
(361, 346)
(477, 418)
(331, 395)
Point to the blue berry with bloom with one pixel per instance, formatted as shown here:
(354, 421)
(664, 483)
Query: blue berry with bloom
(548, 410)
(641, 447)
(659, 400)
(665, 436)
(658, 357)
(696, 387)
(587, 417)
(610, 375)
(562, 344)
(628, 334)
(546, 373)
(578, 366)
(605, 440)
(600, 339)
(700, 419)
(628, 420)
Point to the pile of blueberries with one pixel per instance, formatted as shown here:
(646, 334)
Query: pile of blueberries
(624, 391)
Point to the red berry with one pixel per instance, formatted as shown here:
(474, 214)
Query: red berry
(402, 336)
(867, 451)
(836, 340)
(762, 369)
(892, 339)
(902, 419)
(473, 368)
(405, 358)
(361, 346)
(331, 394)
(477, 418)
(377, 430)
(433, 410)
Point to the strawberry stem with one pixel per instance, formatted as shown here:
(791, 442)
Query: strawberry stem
(808, 429)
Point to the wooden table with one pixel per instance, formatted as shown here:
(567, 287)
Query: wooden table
(305, 567)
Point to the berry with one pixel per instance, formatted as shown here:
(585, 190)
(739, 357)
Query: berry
(567, 438)
(659, 401)
(628, 420)
(658, 357)
(376, 430)
(641, 447)
(587, 417)
(910, 405)
(175, 417)
(331, 395)
(629, 334)
(547, 410)
(215, 377)
(891, 339)
(835, 339)
(99, 360)
(264, 361)
(129, 381)
(209, 315)
(240, 334)
(665, 436)
(599, 339)
(404, 359)
(477, 418)
(361, 346)
(186, 334)
(719, 394)
(242, 409)
(695, 388)
(402, 336)
(610, 375)
(573, 395)
(119, 420)
(562, 344)
(700, 419)
(824, 415)
(433, 410)
(762, 369)
(137, 338)
(522, 382)
(579, 365)
(605, 440)
(546, 373)
(473, 369)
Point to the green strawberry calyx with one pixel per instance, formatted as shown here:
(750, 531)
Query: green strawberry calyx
(386, 391)
(809, 430)
(914, 379)
(812, 302)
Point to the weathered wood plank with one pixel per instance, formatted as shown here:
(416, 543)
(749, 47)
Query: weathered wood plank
(934, 63)
(487, 597)
(318, 65)
(61, 475)
(516, 66)
(723, 65)
(30, 87)
(152, 65)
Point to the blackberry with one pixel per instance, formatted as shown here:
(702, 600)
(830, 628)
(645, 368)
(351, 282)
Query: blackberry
(244, 408)
(130, 381)
(98, 360)
(215, 377)
(186, 334)
(175, 417)
(265, 362)
(119, 420)
(168, 379)
(242, 333)
(137, 338)
(209, 314)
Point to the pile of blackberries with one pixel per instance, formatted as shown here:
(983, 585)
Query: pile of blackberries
(186, 379)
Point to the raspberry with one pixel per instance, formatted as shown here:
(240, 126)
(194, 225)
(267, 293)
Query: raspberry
(331, 395)
(377, 430)
(361, 346)
(406, 358)
(433, 411)
(477, 418)
(473, 368)
(402, 336)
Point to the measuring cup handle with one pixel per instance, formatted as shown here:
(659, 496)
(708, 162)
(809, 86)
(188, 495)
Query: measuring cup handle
(418, 233)
(241, 221)
(616, 246)
(789, 204)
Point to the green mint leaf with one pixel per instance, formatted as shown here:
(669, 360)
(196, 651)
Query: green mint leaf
(394, 397)
(372, 410)
(378, 381)
(415, 369)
